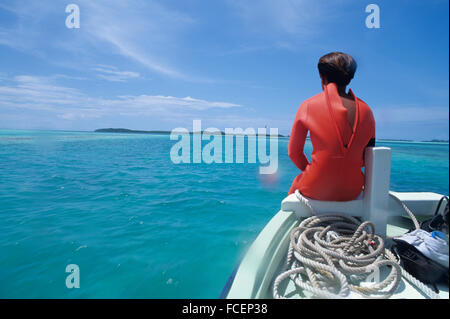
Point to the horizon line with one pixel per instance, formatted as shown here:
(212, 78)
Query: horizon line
(135, 131)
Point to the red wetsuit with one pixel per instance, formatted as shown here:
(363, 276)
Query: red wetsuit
(338, 149)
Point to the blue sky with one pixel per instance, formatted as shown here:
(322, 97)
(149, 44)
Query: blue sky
(158, 65)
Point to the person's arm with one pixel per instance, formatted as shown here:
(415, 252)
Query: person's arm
(371, 142)
(298, 138)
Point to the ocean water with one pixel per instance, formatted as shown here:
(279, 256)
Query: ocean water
(137, 225)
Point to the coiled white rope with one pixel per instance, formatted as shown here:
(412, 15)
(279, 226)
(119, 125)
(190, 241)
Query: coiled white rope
(331, 255)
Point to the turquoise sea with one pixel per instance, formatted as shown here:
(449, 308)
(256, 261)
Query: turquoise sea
(137, 225)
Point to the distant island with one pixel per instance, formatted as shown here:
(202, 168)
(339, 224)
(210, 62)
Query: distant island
(128, 131)
(124, 130)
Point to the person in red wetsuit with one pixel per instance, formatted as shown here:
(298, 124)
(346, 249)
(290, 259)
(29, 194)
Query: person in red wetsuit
(341, 126)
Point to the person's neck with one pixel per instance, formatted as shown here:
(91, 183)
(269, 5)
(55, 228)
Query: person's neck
(342, 91)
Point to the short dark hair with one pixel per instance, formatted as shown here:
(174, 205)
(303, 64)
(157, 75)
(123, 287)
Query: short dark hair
(337, 67)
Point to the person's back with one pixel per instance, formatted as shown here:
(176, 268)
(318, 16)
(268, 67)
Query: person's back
(340, 126)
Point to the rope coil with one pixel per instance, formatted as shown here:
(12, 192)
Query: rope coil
(332, 255)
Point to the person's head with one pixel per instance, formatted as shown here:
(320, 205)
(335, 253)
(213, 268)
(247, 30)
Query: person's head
(337, 67)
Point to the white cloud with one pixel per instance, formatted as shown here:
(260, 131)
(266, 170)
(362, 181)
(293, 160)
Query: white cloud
(42, 94)
(111, 73)
(145, 32)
